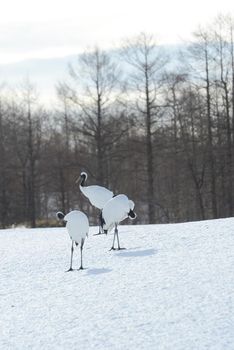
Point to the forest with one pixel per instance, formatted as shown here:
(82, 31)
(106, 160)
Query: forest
(150, 122)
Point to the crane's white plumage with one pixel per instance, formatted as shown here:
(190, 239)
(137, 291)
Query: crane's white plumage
(97, 195)
(116, 210)
(77, 225)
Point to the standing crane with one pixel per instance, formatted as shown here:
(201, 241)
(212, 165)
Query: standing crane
(116, 210)
(97, 195)
(77, 225)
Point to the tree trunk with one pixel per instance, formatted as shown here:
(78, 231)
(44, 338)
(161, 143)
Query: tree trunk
(210, 141)
(150, 169)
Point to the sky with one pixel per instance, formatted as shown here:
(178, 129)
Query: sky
(55, 28)
(37, 38)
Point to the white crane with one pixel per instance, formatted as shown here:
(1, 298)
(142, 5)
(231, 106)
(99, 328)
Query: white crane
(116, 210)
(77, 225)
(97, 195)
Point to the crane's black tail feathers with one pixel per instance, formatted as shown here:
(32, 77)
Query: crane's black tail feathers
(132, 215)
(60, 215)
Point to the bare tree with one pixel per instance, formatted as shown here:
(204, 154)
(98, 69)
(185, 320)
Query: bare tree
(4, 178)
(147, 63)
(27, 145)
(95, 94)
(222, 58)
(202, 55)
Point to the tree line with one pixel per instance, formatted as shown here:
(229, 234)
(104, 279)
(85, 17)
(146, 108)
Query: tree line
(140, 121)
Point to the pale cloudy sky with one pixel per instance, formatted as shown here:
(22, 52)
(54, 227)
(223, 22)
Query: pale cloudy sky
(55, 28)
(39, 37)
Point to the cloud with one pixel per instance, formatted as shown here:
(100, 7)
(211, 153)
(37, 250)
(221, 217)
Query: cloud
(49, 28)
(21, 37)
(54, 38)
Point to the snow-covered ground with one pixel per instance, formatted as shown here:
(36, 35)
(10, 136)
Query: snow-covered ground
(172, 288)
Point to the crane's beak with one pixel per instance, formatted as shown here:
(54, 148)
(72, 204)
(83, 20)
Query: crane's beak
(77, 180)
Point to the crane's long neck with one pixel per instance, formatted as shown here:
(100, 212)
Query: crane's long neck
(82, 185)
(82, 182)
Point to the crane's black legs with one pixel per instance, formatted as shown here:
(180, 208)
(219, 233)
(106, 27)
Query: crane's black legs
(116, 233)
(81, 254)
(113, 244)
(72, 249)
(101, 231)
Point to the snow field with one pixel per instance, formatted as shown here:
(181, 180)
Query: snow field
(172, 288)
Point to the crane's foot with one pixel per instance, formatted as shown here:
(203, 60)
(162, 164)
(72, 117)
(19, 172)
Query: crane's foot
(99, 233)
(112, 248)
(70, 270)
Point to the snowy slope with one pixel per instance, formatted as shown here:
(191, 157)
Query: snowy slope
(173, 288)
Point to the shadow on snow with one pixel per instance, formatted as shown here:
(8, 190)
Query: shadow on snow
(137, 253)
(98, 271)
